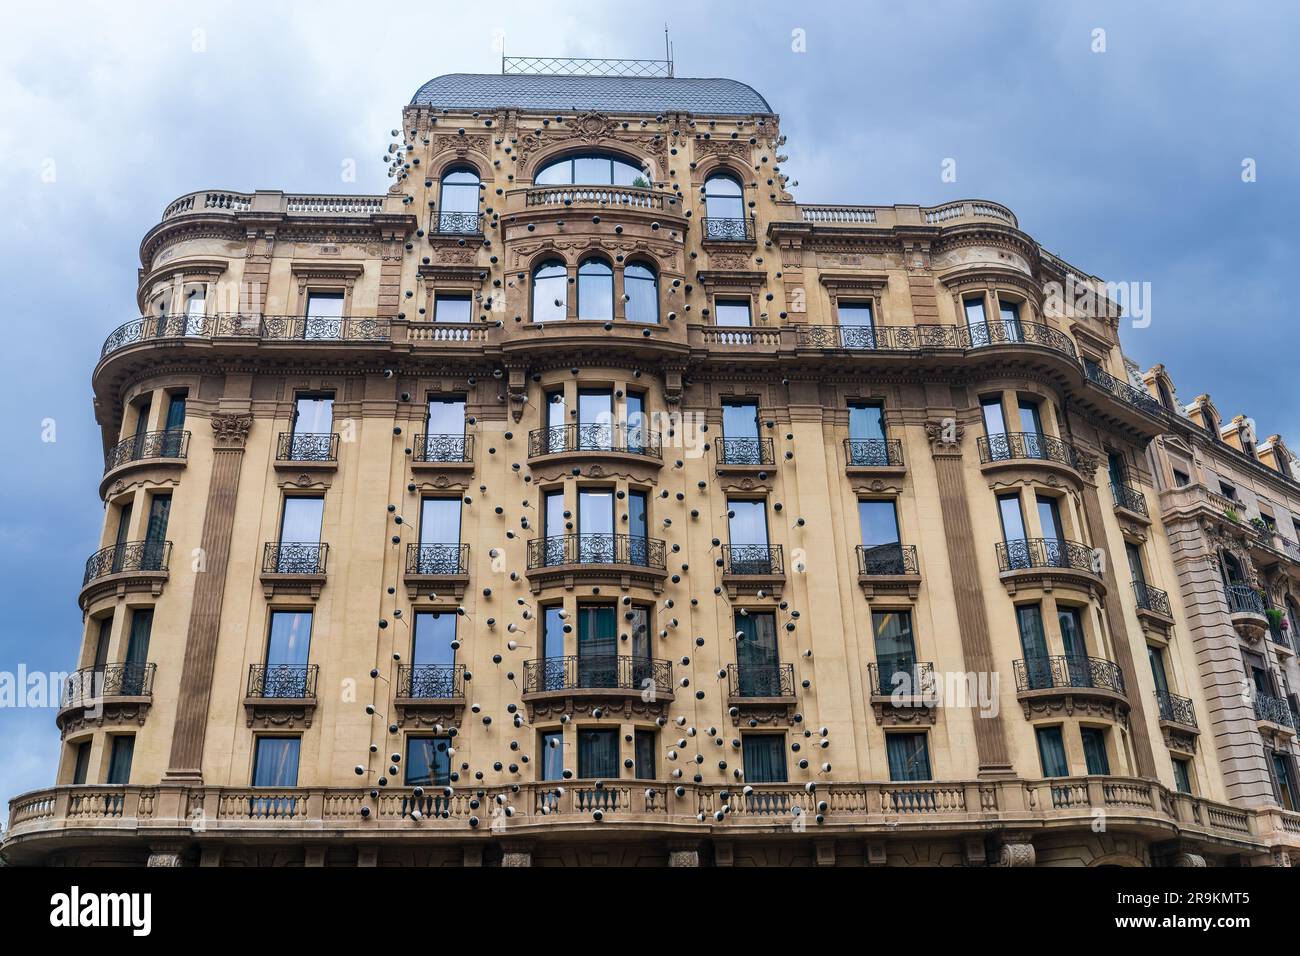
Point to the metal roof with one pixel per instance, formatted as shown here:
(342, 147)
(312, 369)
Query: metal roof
(607, 94)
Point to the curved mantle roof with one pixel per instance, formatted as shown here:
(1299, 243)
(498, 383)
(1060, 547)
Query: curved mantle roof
(606, 94)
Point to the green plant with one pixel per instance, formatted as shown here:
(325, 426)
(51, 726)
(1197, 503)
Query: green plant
(641, 182)
(1231, 515)
(1274, 616)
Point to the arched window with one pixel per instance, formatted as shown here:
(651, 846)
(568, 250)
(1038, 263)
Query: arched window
(458, 202)
(724, 208)
(595, 290)
(591, 169)
(640, 293)
(550, 292)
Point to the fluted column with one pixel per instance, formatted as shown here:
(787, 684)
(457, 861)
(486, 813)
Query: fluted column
(230, 433)
(972, 617)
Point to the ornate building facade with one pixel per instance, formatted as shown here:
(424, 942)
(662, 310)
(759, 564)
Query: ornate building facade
(587, 499)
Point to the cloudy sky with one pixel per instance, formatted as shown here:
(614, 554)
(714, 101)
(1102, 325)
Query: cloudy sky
(1126, 162)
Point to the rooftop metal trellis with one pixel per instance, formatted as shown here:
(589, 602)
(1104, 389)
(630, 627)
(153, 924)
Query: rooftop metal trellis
(584, 66)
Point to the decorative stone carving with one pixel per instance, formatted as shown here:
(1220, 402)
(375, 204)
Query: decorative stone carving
(945, 435)
(1017, 854)
(1188, 859)
(230, 431)
(167, 855)
(683, 854)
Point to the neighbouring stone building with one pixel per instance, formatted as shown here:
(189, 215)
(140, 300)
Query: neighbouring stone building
(587, 499)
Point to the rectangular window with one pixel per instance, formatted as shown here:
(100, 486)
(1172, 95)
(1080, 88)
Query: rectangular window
(764, 756)
(440, 521)
(301, 520)
(1094, 750)
(552, 763)
(1156, 658)
(444, 429)
(645, 754)
(1033, 643)
(81, 766)
(452, 307)
(1134, 555)
(312, 428)
(909, 756)
(287, 649)
(895, 652)
(102, 642)
(995, 422)
(857, 325)
(275, 762)
(137, 652)
(747, 524)
(1009, 312)
(866, 424)
(155, 532)
(597, 646)
(119, 762)
(1049, 520)
(758, 665)
(882, 551)
(1182, 775)
(1284, 785)
(1051, 752)
(428, 761)
(1228, 491)
(731, 312)
(1181, 479)
(324, 305)
(976, 315)
(597, 754)
(1013, 519)
(431, 644)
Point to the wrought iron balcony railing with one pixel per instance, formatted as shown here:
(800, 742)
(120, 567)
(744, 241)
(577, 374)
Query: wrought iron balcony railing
(878, 338)
(1122, 390)
(448, 558)
(459, 223)
(1013, 332)
(598, 672)
(903, 678)
(307, 446)
(1025, 553)
(282, 681)
(753, 559)
(885, 559)
(1175, 708)
(266, 328)
(128, 556)
(1150, 598)
(129, 679)
(1130, 499)
(567, 439)
(566, 549)
(744, 451)
(431, 681)
(1028, 446)
(1244, 599)
(1044, 673)
(171, 443)
(873, 453)
(1276, 710)
(727, 230)
(294, 557)
(760, 680)
(430, 449)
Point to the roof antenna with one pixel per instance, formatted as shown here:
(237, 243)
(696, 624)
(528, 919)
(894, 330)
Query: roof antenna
(668, 50)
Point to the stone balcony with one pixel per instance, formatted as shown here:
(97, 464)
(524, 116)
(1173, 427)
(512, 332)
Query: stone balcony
(204, 819)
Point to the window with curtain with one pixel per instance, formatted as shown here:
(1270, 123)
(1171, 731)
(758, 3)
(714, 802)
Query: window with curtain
(550, 292)
(867, 434)
(857, 324)
(453, 307)
(1070, 621)
(645, 754)
(1094, 750)
(895, 652)
(909, 756)
(137, 652)
(551, 766)
(275, 762)
(287, 650)
(1033, 643)
(641, 293)
(757, 662)
(764, 756)
(119, 760)
(597, 646)
(731, 312)
(1051, 752)
(428, 761)
(595, 290)
(597, 754)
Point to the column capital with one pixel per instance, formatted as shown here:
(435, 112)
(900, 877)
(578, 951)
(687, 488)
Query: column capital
(230, 430)
(945, 435)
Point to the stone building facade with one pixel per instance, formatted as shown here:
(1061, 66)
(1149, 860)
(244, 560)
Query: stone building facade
(587, 499)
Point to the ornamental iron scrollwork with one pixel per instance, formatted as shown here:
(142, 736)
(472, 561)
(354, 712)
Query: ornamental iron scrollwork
(598, 672)
(562, 439)
(1026, 553)
(129, 679)
(1151, 598)
(459, 223)
(1028, 446)
(570, 549)
(431, 681)
(170, 443)
(744, 451)
(887, 559)
(307, 446)
(282, 681)
(431, 449)
(294, 557)
(874, 453)
(1175, 708)
(744, 559)
(449, 558)
(128, 556)
(760, 680)
(1045, 673)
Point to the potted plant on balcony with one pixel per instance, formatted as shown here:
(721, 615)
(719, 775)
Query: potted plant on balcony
(1259, 525)
(1276, 619)
(1232, 515)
